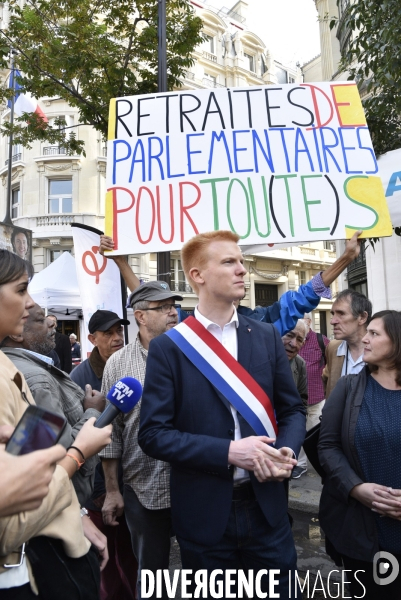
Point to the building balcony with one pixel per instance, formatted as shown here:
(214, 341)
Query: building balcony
(14, 158)
(226, 12)
(308, 251)
(54, 150)
(189, 75)
(57, 224)
(54, 220)
(181, 286)
(209, 56)
(210, 83)
(56, 155)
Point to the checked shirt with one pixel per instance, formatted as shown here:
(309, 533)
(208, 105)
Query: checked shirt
(149, 478)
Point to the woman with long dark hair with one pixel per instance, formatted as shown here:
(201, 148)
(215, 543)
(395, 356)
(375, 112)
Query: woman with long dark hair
(58, 517)
(360, 450)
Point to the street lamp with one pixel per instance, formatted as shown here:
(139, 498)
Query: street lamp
(7, 218)
(163, 258)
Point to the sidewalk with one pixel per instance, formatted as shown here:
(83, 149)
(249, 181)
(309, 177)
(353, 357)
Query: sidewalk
(304, 493)
(304, 496)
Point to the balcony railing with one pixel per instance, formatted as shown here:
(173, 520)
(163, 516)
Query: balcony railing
(210, 83)
(180, 286)
(53, 150)
(14, 158)
(54, 220)
(189, 75)
(211, 57)
(226, 12)
(309, 251)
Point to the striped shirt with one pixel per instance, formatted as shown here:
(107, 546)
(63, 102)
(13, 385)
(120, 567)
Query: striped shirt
(149, 478)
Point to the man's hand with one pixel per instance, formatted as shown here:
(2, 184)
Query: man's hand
(93, 399)
(387, 503)
(269, 469)
(113, 507)
(106, 244)
(353, 246)
(97, 538)
(132, 281)
(352, 250)
(243, 453)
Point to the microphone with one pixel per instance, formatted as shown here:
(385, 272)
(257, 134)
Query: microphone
(123, 396)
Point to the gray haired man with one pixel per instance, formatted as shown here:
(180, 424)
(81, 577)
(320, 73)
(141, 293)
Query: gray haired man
(351, 313)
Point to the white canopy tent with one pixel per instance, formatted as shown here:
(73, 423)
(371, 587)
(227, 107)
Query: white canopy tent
(56, 288)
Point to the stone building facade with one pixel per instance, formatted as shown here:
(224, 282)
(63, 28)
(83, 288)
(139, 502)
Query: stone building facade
(375, 273)
(51, 190)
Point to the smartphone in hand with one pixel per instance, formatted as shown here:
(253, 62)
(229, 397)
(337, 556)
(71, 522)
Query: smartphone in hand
(37, 429)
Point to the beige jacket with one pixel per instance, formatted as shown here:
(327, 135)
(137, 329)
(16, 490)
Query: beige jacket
(59, 515)
(334, 364)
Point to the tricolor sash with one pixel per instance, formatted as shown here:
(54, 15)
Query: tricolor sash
(226, 374)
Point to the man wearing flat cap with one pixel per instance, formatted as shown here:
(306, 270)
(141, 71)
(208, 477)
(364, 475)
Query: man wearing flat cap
(106, 333)
(146, 498)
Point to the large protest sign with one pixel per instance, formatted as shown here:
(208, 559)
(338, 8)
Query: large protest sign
(292, 163)
(98, 279)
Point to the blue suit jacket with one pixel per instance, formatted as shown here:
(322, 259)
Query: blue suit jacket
(185, 421)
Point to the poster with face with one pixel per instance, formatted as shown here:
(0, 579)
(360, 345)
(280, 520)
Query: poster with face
(16, 240)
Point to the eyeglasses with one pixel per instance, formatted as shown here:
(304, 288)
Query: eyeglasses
(165, 308)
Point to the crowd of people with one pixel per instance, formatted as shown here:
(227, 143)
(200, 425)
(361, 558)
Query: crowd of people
(206, 455)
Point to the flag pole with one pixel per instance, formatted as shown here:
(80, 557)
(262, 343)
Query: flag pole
(7, 218)
(163, 258)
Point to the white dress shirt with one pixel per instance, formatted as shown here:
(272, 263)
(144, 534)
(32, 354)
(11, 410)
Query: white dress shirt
(350, 367)
(228, 338)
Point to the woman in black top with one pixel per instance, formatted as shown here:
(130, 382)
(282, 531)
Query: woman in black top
(360, 450)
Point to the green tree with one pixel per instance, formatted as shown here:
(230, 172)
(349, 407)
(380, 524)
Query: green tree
(373, 59)
(89, 51)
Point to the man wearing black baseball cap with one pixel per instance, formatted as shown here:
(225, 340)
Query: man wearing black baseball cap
(106, 333)
(118, 580)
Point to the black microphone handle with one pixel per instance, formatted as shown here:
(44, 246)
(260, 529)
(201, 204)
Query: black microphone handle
(107, 416)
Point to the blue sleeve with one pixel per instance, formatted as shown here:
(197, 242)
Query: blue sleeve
(285, 313)
(184, 314)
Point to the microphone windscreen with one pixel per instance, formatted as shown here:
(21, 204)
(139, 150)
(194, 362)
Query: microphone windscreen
(125, 394)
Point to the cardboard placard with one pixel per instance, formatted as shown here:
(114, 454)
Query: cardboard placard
(275, 164)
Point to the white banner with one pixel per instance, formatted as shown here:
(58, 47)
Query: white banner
(390, 172)
(276, 164)
(98, 280)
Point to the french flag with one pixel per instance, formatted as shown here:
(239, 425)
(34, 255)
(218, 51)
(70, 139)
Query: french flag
(24, 102)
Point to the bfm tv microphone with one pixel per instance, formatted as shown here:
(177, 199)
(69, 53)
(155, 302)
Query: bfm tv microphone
(123, 396)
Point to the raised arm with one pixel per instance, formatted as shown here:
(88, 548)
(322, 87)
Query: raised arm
(352, 250)
(132, 281)
(293, 305)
